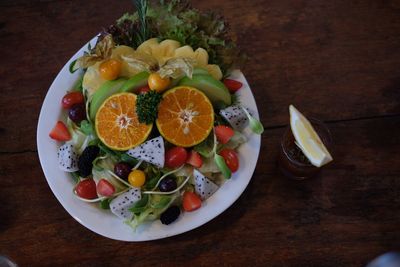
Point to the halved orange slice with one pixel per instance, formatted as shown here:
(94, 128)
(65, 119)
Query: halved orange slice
(185, 116)
(117, 124)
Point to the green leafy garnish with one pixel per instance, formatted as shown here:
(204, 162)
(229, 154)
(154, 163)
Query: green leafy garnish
(143, 31)
(86, 127)
(105, 204)
(73, 67)
(205, 148)
(147, 106)
(160, 202)
(141, 205)
(177, 20)
(128, 159)
(255, 125)
(76, 177)
(219, 160)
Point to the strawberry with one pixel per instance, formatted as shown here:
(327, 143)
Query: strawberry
(223, 133)
(194, 159)
(60, 132)
(190, 201)
(232, 85)
(105, 188)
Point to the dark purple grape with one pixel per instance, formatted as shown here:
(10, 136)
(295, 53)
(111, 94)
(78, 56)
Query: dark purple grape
(85, 161)
(122, 169)
(77, 113)
(167, 184)
(170, 215)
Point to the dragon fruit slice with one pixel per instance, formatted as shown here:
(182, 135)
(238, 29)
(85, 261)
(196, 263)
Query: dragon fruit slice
(235, 116)
(203, 186)
(121, 204)
(67, 158)
(151, 151)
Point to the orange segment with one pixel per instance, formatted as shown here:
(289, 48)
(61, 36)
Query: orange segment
(117, 124)
(185, 116)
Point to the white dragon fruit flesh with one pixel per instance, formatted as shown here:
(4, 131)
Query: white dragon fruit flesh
(121, 204)
(68, 158)
(151, 151)
(235, 116)
(203, 186)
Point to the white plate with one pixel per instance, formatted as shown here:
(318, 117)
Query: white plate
(104, 222)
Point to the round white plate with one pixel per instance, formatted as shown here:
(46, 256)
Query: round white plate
(104, 222)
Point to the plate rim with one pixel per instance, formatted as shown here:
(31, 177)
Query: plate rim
(39, 140)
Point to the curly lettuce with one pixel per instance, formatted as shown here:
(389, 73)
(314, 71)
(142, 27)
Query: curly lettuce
(182, 23)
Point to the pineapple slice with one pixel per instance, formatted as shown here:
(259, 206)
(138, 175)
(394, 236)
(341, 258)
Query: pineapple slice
(122, 50)
(165, 51)
(184, 52)
(214, 71)
(162, 52)
(201, 56)
(146, 47)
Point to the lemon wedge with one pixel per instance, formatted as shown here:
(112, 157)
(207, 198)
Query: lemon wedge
(307, 139)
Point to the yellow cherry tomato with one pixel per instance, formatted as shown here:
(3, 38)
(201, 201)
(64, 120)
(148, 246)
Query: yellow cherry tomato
(110, 69)
(157, 83)
(137, 178)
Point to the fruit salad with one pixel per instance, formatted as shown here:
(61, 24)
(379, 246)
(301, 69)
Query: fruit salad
(154, 123)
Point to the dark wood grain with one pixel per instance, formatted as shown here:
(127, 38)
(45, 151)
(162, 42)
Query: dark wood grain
(336, 60)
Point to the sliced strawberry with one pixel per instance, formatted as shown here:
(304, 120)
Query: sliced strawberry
(223, 133)
(232, 85)
(190, 201)
(60, 132)
(105, 188)
(194, 159)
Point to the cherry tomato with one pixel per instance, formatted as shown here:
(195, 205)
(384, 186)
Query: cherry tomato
(231, 159)
(86, 189)
(175, 157)
(71, 99)
(137, 178)
(143, 90)
(157, 83)
(190, 201)
(223, 133)
(110, 69)
(232, 85)
(105, 188)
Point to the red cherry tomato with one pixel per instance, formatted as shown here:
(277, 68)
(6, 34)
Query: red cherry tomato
(175, 157)
(232, 85)
(143, 90)
(71, 99)
(190, 201)
(223, 133)
(105, 188)
(231, 159)
(86, 189)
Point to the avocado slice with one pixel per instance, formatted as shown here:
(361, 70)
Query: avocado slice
(215, 90)
(106, 90)
(136, 82)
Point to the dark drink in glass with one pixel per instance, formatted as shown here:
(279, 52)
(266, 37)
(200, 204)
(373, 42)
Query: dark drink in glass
(292, 162)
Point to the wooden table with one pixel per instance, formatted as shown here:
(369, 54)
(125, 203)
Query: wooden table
(335, 60)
